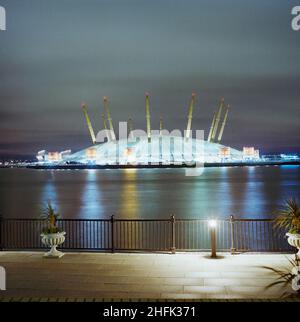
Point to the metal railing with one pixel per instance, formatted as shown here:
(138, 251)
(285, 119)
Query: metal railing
(171, 235)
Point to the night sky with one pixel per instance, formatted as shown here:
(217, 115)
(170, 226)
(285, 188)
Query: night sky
(56, 54)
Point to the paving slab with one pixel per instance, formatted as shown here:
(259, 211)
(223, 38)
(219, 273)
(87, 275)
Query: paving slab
(125, 276)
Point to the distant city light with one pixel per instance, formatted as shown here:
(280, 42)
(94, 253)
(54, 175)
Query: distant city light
(289, 156)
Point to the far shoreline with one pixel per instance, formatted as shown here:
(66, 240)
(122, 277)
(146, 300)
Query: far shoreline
(144, 166)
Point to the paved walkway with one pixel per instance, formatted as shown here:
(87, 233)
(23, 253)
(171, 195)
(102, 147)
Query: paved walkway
(141, 276)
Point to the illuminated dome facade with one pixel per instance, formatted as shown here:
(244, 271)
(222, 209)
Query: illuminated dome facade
(160, 150)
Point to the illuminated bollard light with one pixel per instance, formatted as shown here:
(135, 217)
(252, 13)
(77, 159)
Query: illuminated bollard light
(212, 227)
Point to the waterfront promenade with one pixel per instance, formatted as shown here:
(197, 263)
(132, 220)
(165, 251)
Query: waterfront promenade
(123, 276)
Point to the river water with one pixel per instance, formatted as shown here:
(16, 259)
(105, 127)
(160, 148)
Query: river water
(245, 192)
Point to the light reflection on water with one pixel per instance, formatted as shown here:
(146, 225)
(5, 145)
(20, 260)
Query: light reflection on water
(253, 192)
(129, 195)
(49, 191)
(91, 197)
(245, 192)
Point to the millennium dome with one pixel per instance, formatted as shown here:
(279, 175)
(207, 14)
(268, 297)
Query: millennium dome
(153, 147)
(160, 150)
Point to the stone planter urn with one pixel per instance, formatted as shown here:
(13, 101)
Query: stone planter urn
(53, 240)
(294, 240)
(296, 279)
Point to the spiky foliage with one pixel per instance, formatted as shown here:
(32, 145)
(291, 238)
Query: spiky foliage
(288, 216)
(285, 276)
(51, 217)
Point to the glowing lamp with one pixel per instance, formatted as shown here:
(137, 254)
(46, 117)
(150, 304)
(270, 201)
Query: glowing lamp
(212, 223)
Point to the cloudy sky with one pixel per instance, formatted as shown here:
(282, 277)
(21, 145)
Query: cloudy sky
(56, 54)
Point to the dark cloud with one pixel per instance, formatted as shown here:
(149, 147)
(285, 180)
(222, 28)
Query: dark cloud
(54, 55)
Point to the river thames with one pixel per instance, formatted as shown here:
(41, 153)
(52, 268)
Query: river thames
(245, 192)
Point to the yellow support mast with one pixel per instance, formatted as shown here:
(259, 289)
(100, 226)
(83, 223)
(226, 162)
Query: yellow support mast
(218, 117)
(104, 121)
(190, 117)
(88, 122)
(223, 125)
(105, 127)
(111, 128)
(148, 117)
(212, 127)
(161, 126)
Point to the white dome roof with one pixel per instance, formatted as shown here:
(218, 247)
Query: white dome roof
(163, 149)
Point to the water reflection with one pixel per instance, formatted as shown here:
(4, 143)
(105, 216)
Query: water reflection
(253, 201)
(129, 205)
(272, 191)
(91, 200)
(205, 194)
(149, 193)
(226, 194)
(290, 181)
(49, 192)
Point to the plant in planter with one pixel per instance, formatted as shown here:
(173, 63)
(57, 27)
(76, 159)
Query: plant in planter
(288, 217)
(52, 235)
(289, 276)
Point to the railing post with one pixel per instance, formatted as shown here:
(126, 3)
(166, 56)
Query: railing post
(213, 239)
(173, 223)
(1, 232)
(232, 248)
(112, 220)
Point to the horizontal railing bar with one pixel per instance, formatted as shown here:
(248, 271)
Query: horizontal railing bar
(64, 249)
(247, 220)
(21, 219)
(197, 220)
(142, 220)
(59, 220)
